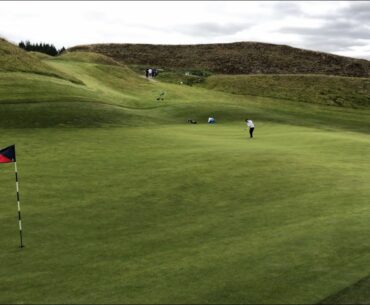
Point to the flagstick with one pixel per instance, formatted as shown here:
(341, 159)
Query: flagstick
(19, 205)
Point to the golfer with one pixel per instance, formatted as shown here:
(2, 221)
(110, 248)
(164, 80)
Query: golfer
(251, 127)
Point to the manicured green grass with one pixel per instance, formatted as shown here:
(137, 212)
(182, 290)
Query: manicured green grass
(185, 214)
(123, 202)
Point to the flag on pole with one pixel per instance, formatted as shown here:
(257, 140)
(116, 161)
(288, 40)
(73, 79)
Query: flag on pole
(7, 154)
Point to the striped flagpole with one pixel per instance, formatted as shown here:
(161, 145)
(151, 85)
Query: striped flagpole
(19, 205)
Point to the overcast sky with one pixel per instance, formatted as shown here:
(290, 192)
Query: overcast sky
(340, 27)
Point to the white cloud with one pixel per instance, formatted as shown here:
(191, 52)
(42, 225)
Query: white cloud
(69, 23)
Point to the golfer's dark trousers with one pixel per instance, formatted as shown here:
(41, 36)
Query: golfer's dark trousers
(251, 131)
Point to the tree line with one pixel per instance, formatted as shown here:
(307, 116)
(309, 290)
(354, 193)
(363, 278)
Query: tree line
(46, 48)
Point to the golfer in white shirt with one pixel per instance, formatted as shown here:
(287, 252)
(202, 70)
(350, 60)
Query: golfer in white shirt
(251, 127)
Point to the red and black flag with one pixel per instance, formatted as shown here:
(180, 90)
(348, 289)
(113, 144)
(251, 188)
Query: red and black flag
(7, 154)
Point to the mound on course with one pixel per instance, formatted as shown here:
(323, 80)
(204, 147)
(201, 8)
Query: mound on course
(233, 58)
(14, 59)
(124, 202)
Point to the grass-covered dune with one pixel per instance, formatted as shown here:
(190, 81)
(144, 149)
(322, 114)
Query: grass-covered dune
(89, 57)
(315, 89)
(40, 55)
(233, 58)
(124, 202)
(14, 59)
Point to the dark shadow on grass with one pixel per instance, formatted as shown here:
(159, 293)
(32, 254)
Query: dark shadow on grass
(358, 293)
(63, 114)
(87, 113)
(51, 74)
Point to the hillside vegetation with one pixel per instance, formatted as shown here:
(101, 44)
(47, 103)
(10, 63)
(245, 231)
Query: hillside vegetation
(14, 59)
(233, 58)
(89, 57)
(40, 55)
(315, 89)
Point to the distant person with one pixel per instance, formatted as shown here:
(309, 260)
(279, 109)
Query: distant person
(251, 127)
(150, 71)
(211, 120)
(147, 73)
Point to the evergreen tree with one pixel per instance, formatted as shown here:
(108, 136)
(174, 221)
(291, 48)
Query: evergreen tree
(28, 46)
(22, 45)
(62, 50)
(42, 47)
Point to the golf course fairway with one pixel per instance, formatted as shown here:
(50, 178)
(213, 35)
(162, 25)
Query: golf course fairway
(124, 202)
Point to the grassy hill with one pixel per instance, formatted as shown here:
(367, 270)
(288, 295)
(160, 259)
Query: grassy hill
(316, 89)
(89, 57)
(233, 58)
(40, 55)
(124, 202)
(14, 59)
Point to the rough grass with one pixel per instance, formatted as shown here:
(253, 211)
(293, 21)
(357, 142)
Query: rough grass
(14, 59)
(123, 202)
(233, 58)
(316, 89)
(40, 55)
(89, 57)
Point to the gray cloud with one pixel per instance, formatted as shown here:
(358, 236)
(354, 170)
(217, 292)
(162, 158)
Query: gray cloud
(339, 31)
(288, 9)
(333, 29)
(356, 11)
(206, 29)
(332, 44)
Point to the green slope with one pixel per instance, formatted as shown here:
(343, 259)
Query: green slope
(123, 202)
(40, 55)
(34, 99)
(14, 59)
(316, 89)
(88, 57)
